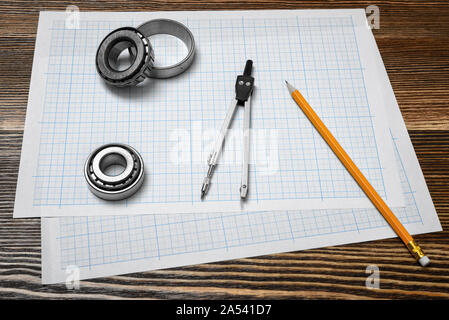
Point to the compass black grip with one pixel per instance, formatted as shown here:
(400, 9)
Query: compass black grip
(248, 68)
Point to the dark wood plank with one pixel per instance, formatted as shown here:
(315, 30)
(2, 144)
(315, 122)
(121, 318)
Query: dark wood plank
(413, 43)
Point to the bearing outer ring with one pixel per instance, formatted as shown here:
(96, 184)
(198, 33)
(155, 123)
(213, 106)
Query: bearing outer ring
(111, 47)
(178, 30)
(117, 187)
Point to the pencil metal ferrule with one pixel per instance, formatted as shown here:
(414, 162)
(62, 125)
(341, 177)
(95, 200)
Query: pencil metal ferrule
(415, 250)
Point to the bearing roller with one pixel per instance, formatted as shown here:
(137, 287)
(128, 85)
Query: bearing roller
(114, 187)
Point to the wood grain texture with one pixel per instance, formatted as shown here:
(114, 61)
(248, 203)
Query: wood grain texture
(413, 42)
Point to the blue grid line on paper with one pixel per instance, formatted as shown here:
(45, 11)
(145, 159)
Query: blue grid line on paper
(364, 86)
(67, 119)
(190, 127)
(307, 92)
(333, 85)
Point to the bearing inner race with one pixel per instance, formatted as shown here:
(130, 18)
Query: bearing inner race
(115, 52)
(109, 157)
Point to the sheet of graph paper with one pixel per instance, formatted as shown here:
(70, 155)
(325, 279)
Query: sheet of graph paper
(173, 122)
(102, 246)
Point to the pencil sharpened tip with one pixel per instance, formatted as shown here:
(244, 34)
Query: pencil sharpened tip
(289, 87)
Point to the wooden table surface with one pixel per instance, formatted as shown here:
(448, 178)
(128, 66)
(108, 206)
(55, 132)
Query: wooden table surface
(413, 40)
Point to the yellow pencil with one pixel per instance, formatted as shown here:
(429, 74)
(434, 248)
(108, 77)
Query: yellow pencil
(397, 226)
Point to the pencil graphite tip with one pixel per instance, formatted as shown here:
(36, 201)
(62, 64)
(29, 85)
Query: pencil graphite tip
(289, 87)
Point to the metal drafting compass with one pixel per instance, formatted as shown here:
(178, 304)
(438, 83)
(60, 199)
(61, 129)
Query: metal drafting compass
(244, 86)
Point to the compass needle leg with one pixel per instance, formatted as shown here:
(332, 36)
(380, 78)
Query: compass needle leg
(246, 137)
